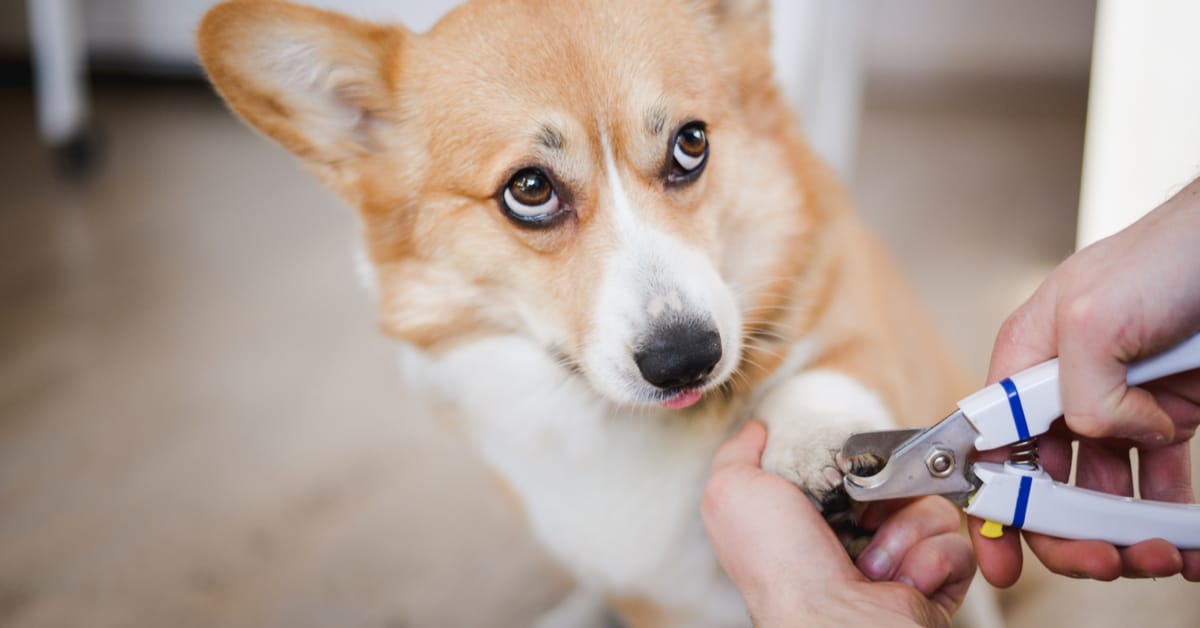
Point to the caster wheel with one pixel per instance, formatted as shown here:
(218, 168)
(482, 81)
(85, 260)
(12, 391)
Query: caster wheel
(79, 156)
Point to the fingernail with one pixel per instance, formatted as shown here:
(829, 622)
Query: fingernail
(1151, 438)
(904, 580)
(876, 563)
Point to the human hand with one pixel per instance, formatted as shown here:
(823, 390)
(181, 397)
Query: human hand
(1127, 297)
(791, 568)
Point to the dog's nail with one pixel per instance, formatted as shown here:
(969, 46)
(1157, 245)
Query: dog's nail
(833, 476)
(856, 546)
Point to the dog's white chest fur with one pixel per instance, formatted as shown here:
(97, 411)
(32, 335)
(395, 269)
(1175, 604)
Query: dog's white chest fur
(613, 492)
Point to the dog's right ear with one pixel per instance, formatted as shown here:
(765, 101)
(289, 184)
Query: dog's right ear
(317, 82)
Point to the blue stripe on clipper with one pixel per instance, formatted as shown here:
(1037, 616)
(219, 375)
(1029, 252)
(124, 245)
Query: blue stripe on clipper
(1018, 411)
(1022, 501)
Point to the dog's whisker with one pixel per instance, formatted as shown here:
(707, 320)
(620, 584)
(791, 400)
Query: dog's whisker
(774, 307)
(752, 362)
(765, 327)
(768, 325)
(767, 339)
(772, 280)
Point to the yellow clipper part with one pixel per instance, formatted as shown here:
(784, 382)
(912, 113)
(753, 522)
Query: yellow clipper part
(990, 529)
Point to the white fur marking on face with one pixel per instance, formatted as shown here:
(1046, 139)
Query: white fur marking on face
(650, 273)
(660, 304)
(628, 227)
(657, 306)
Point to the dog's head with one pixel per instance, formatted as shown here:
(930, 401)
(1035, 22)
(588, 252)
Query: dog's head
(609, 178)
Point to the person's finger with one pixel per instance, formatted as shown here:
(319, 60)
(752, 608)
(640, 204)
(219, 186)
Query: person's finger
(764, 530)
(1079, 559)
(1098, 468)
(1165, 473)
(941, 568)
(1191, 565)
(1054, 452)
(1155, 558)
(895, 538)
(1170, 479)
(877, 513)
(1179, 395)
(1104, 467)
(1028, 336)
(1093, 354)
(1000, 560)
(744, 448)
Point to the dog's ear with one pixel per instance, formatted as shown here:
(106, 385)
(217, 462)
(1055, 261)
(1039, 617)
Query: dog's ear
(316, 82)
(744, 29)
(751, 17)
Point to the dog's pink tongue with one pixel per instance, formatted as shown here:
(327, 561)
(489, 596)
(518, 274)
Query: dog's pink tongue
(685, 399)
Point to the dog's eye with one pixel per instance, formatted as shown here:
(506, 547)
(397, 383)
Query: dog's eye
(690, 152)
(530, 197)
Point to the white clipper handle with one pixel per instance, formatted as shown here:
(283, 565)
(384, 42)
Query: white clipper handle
(1025, 404)
(1034, 502)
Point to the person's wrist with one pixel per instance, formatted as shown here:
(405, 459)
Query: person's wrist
(849, 604)
(779, 604)
(783, 616)
(791, 612)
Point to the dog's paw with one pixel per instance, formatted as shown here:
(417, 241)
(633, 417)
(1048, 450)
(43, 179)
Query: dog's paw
(809, 417)
(817, 466)
(810, 463)
(812, 460)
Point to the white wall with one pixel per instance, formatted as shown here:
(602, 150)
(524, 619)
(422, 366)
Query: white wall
(1143, 137)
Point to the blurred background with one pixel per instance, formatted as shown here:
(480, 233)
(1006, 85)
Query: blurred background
(201, 426)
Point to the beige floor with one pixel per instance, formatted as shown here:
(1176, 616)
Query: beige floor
(200, 426)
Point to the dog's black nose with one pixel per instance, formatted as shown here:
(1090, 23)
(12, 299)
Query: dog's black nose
(679, 355)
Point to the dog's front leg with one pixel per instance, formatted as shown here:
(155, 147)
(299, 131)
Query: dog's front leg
(808, 417)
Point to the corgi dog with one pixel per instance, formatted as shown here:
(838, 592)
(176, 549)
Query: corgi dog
(599, 223)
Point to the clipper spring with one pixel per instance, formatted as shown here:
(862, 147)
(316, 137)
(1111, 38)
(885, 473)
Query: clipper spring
(1025, 453)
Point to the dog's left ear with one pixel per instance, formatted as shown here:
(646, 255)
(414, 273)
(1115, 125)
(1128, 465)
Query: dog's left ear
(744, 28)
(751, 16)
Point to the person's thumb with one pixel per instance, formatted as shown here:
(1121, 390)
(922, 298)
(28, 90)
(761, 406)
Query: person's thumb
(765, 531)
(1028, 336)
(744, 449)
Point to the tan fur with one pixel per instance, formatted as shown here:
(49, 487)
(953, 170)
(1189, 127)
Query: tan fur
(443, 117)
(422, 130)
